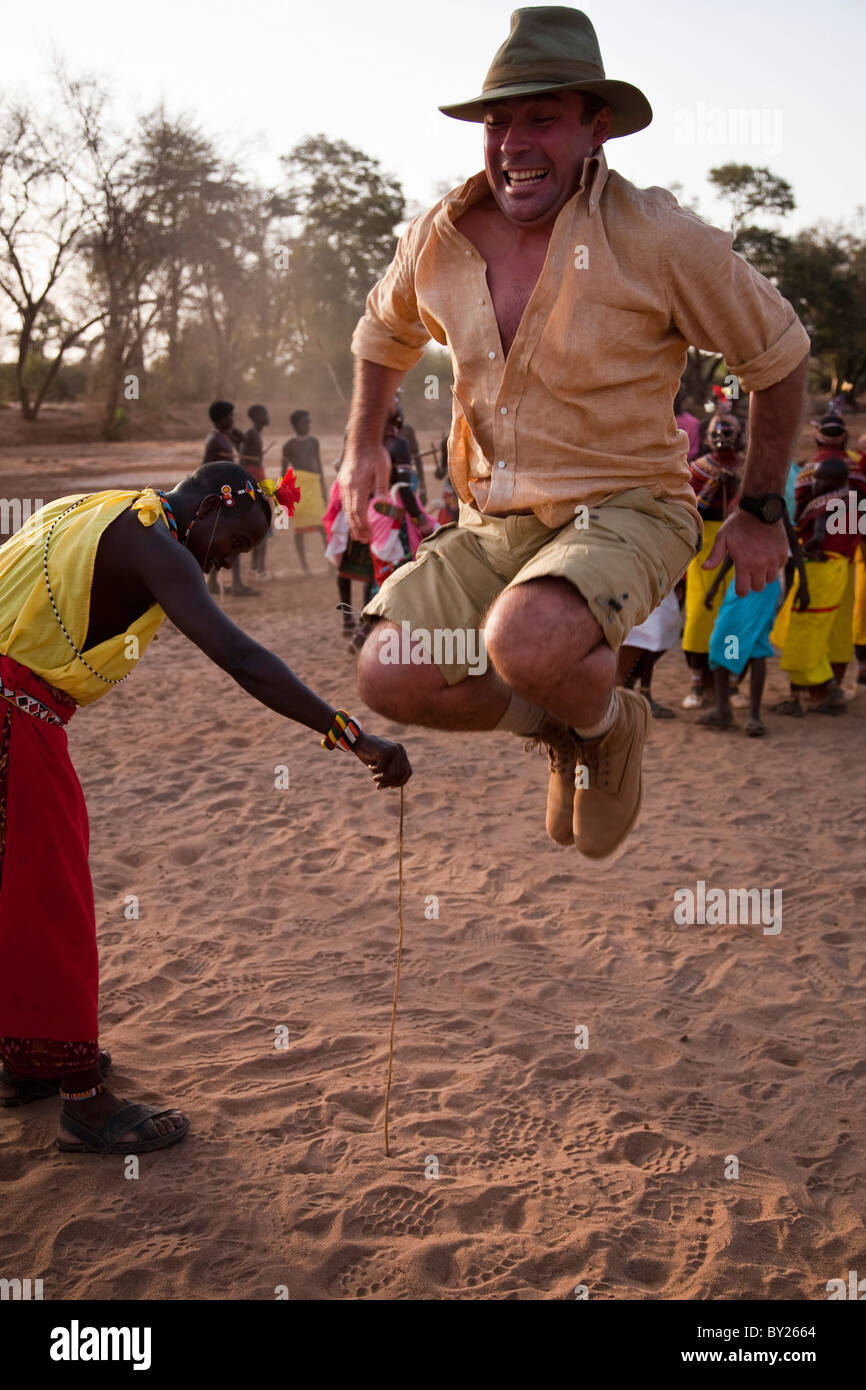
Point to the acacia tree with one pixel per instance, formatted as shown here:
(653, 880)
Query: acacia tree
(44, 220)
(750, 189)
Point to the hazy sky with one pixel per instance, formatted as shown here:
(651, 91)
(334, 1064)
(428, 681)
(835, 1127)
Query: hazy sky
(272, 71)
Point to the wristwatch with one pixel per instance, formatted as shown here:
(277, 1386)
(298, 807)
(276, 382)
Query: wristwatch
(770, 508)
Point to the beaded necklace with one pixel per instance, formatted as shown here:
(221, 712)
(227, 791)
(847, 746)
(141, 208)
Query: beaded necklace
(109, 680)
(172, 524)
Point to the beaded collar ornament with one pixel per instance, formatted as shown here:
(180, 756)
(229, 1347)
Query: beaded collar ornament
(169, 514)
(109, 680)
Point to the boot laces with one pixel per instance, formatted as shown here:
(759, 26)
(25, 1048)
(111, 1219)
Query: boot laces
(559, 745)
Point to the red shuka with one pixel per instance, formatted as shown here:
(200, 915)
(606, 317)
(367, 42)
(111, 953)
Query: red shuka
(49, 972)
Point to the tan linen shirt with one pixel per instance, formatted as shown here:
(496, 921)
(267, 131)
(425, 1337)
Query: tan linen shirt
(582, 407)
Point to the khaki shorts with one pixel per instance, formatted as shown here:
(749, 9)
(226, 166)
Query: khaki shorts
(630, 554)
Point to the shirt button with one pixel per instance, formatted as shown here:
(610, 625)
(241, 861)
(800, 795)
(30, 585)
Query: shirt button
(481, 301)
(503, 410)
(468, 252)
(491, 355)
(501, 463)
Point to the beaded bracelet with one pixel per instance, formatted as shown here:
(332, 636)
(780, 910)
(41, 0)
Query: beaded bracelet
(343, 733)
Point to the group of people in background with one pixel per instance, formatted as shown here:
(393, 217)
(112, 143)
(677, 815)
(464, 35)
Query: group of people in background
(399, 524)
(813, 614)
(226, 443)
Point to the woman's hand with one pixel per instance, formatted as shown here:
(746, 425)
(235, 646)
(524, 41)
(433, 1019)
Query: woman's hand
(387, 761)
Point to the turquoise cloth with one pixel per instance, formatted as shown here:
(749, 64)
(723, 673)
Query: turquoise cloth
(790, 484)
(749, 620)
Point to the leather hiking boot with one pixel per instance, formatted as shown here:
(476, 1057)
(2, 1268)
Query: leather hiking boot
(607, 808)
(562, 749)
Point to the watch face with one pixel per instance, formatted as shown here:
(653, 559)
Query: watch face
(772, 508)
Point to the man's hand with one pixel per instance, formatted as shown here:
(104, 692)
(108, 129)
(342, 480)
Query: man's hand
(758, 551)
(363, 472)
(387, 761)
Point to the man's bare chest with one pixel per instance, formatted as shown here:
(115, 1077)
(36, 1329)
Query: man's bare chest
(512, 271)
(511, 289)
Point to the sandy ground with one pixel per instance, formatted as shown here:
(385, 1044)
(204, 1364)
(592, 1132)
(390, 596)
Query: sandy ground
(558, 1166)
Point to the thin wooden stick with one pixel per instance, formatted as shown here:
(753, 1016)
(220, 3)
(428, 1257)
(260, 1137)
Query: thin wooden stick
(396, 979)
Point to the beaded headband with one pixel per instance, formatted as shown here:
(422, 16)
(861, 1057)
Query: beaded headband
(282, 493)
(227, 493)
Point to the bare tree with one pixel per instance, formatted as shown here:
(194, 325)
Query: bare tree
(121, 246)
(43, 222)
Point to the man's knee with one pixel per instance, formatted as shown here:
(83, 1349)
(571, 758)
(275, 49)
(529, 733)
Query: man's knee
(538, 627)
(395, 689)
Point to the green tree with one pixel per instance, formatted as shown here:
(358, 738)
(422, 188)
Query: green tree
(338, 212)
(178, 173)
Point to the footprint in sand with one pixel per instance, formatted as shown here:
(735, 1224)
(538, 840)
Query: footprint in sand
(322, 1156)
(658, 1207)
(830, 1177)
(589, 1136)
(494, 1209)
(515, 1135)
(756, 1091)
(697, 1244)
(369, 1275)
(696, 1115)
(311, 1119)
(485, 1264)
(642, 1250)
(392, 1211)
(847, 1076)
(316, 1216)
(650, 1151)
(616, 1187)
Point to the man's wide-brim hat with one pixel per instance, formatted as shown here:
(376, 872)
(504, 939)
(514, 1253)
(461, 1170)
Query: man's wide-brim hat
(552, 48)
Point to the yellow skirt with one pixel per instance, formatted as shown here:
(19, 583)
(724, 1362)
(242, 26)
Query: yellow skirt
(699, 619)
(841, 645)
(805, 637)
(859, 624)
(311, 508)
